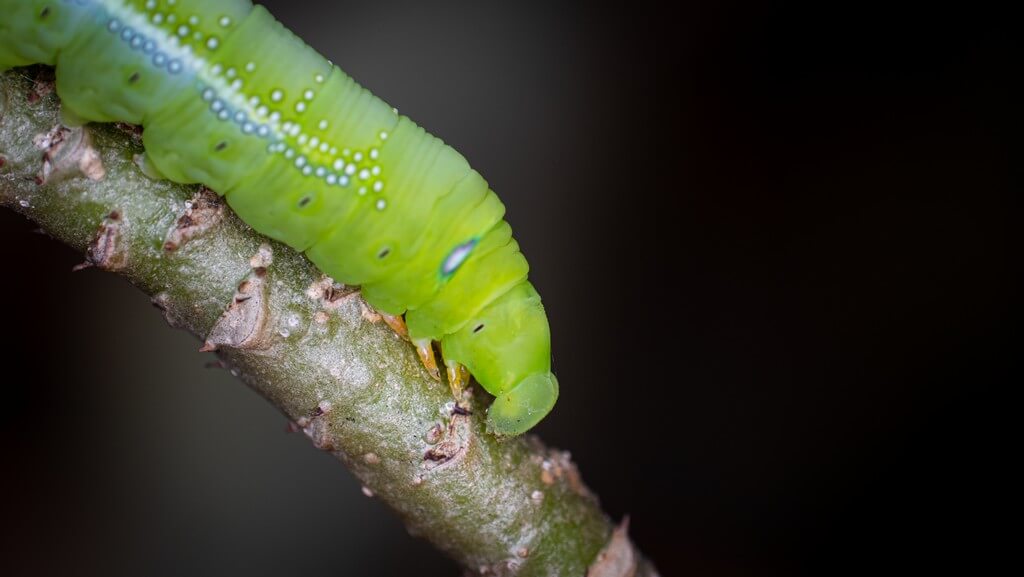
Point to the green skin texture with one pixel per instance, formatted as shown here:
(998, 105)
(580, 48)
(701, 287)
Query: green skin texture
(231, 99)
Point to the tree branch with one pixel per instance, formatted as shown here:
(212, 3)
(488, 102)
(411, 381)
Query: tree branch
(310, 346)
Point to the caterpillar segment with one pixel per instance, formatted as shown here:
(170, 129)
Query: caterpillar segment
(230, 98)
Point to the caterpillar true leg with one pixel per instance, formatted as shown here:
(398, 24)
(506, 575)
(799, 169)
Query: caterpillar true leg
(458, 374)
(458, 378)
(425, 349)
(397, 324)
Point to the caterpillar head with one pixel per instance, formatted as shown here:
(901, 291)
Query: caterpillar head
(507, 348)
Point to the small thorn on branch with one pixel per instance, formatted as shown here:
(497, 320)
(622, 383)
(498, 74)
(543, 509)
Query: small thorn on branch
(67, 153)
(202, 212)
(245, 325)
(447, 443)
(331, 294)
(106, 251)
(617, 559)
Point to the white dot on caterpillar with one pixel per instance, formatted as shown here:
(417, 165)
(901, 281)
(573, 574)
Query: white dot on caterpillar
(334, 151)
(183, 30)
(197, 36)
(248, 128)
(383, 135)
(350, 169)
(158, 18)
(339, 164)
(375, 170)
(381, 204)
(150, 4)
(362, 190)
(193, 20)
(249, 67)
(319, 78)
(343, 180)
(230, 72)
(378, 186)
(254, 101)
(216, 105)
(374, 153)
(223, 115)
(364, 174)
(172, 2)
(306, 170)
(322, 125)
(294, 130)
(302, 139)
(357, 156)
(332, 179)
(216, 69)
(208, 94)
(225, 21)
(345, 152)
(308, 95)
(171, 18)
(300, 107)
(237, 84)
(276, 95)
(314, 142)
(321, 171)
(323, 147)
(212, 42)
(300, 161)
(263, 130)
(288, 153)
(274, 116)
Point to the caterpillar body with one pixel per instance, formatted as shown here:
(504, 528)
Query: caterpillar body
(232, 99)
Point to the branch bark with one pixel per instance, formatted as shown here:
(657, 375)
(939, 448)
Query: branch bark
(310, 346)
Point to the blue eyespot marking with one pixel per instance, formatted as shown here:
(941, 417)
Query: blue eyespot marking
(456, 257)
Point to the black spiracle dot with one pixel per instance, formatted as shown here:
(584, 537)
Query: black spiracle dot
(221, 146)
(384, 252)
(45, 12)
(478, 328)
(305, 200)
(134, 78)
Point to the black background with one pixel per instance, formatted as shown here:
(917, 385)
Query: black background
(775, 247)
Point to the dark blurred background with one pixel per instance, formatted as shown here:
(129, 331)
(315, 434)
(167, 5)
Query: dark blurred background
(775, 247)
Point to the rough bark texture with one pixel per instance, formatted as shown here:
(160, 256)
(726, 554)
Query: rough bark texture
(310, 346)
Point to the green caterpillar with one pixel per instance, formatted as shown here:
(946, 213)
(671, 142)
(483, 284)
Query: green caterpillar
(232, 99)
